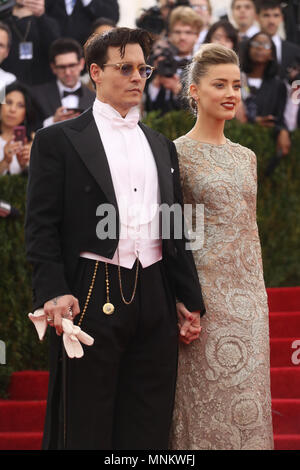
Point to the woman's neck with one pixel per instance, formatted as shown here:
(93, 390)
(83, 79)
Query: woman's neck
(258, 71)
(208, 129)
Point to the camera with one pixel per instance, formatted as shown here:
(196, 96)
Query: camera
(152, 19)
(6, 7)
(163, 58)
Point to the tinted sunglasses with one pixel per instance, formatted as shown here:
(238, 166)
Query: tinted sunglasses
(127, 69)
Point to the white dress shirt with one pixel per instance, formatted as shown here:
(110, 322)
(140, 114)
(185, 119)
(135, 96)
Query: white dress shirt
(278, 44)
(291, 109)
(71, 101)
(135, 180)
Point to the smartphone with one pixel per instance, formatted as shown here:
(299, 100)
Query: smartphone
(20, 133)
(75, 110)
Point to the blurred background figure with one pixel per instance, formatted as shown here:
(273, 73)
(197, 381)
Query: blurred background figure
(244, 15)
(65, 97)
(292, 21)
(32, 34)
(270, 18)
(292, 109)
(102, 25)
(264, 93)
(5, 43)
(18, 110)
(75, 17)
(223, 32)
(204, 10)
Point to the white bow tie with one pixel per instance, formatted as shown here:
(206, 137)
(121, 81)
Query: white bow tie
(129, 121)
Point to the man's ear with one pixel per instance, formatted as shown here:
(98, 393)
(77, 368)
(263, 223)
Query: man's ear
(96, 73)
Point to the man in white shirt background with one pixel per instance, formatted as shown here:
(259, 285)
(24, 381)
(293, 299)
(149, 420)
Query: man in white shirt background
(65, 97)
(270, 18)
(5, 40)
(204, 9)
(244, 16)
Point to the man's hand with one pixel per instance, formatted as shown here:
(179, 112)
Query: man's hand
(62, 114)
(188, 324)
(37, 7)
(58, 308)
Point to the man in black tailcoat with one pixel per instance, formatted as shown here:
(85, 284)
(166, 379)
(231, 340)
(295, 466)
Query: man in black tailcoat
(95, 183)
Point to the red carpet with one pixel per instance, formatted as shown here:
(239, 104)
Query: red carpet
(22, 416)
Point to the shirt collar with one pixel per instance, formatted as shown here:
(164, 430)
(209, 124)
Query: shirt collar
(107, 111)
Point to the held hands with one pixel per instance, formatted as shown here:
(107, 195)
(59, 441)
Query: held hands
(58, 308)
(188, 324)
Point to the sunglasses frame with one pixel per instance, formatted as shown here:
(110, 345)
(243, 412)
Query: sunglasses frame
(135, 67)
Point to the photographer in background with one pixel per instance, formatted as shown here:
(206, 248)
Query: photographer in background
(32, 34)
(169, 58)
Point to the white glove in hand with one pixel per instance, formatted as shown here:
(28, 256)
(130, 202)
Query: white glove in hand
(72, 335)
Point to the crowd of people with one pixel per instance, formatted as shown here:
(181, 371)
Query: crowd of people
(45, 81)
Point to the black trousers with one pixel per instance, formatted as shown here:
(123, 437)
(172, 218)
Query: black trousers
(120, 395)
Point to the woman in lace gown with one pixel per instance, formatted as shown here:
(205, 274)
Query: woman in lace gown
(223, 390)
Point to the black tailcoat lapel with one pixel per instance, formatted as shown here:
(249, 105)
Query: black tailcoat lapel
(84, 136)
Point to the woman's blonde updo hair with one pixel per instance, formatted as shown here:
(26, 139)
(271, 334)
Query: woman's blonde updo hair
(207, 55)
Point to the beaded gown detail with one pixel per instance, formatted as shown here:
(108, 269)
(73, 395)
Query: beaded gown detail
(223, 398)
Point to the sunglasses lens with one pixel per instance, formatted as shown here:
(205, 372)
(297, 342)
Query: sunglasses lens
(145, 71)
(127, 69)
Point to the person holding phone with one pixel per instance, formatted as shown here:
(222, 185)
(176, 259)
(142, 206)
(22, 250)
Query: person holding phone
(17, 124)
(66, 97)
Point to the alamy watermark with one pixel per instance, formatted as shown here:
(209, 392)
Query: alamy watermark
(296, 354)
(153, 222)
(296, 92)
(2, 352)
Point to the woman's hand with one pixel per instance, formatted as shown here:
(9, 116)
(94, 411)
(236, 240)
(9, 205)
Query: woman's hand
(11, 148)
(23, 155)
